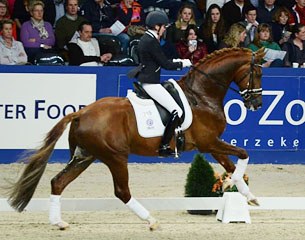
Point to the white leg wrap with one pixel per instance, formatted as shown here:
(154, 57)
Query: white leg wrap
(55, 210)
(240, 169)
(138, 209)
(242, 187)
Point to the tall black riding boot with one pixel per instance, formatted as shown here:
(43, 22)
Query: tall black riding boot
(173, 123)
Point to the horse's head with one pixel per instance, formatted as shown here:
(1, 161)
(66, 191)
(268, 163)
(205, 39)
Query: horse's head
(248, 78)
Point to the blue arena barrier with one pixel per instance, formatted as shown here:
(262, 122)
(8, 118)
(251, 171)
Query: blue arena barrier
(34, 98)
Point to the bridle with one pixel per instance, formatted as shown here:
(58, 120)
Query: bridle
(250, 91)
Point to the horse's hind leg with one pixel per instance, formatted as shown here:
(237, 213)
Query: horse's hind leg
(220, 153)
(118, 168)
(74, 168)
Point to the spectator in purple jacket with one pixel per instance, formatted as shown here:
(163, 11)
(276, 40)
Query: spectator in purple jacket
(36, 35)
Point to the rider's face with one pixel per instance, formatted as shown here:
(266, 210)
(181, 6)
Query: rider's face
(160, 30)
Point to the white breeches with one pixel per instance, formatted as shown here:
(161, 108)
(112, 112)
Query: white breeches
(159, 94)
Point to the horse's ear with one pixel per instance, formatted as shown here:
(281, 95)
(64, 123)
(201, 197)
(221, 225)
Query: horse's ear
(260, 53)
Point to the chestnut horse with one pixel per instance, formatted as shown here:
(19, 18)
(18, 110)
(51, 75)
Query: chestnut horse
(107, 130)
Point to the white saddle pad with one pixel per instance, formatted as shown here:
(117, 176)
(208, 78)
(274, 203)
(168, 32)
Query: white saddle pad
(148, 118)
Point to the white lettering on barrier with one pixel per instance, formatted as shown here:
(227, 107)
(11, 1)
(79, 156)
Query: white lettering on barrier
(265, 119)
(288, 112)
(257, 142)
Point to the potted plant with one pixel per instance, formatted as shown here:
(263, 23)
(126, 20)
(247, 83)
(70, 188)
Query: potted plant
(200, 181)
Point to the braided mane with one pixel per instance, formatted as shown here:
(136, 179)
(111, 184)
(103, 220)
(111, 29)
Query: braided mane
(222, 52)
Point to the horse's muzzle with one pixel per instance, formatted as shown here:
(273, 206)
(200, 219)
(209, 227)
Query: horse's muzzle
(254, 103)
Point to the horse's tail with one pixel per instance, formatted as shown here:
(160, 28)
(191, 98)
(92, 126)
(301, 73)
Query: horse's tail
(22, 191)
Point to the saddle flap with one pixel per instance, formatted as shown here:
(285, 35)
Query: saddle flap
(148, 115)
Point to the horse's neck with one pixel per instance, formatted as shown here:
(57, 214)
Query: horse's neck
(203, 89)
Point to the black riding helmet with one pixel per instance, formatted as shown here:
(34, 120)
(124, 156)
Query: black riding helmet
(156, 18)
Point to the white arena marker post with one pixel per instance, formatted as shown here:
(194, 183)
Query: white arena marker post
(235, 209)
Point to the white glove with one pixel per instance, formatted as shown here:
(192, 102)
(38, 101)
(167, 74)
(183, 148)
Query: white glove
(186, 63)
(177, 60)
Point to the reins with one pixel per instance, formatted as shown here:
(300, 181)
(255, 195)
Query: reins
(207, 76)
(247, 92)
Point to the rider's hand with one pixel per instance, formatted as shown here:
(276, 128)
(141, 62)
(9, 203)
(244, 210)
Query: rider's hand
(177, 60)
(186, 63)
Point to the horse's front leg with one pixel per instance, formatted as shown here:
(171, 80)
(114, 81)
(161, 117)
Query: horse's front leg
(220, 151)
(118, 168)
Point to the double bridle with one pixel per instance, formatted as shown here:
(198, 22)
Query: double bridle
(250, 91)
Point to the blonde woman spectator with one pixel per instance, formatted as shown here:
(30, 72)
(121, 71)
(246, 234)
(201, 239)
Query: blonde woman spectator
(235, 36)
(11, 51)
(36, 34)
(176, 31)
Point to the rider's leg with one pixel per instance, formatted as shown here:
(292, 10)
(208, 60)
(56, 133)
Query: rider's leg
(173, 123)
(162, 96)
(159, 94)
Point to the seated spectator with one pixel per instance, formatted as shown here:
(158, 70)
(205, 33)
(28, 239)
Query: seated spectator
(265, 13)
(36, 35)
(213, 28)
(11, 51)
(130, 13)
(21, 12)
(250, 23)
(85, 51)
(170, 7)
(280, 27)
(59, 10)
(255, 3)
(11, 6)
(4, 14)
(263, 38)
(67, 25)
(297, 13)
(234, 11)
(235, 37)
(295, 46)
(176, 31)
(102, 16)
(285, 3)
(190, 47)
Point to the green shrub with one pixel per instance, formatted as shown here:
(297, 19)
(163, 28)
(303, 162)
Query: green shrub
(200, 178)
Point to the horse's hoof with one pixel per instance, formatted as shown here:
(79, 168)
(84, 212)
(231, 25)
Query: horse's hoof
(253, 202)
(154, 226)
(62, 225)
(153, 223)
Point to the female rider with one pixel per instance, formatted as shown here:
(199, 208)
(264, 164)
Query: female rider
(152, 59)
